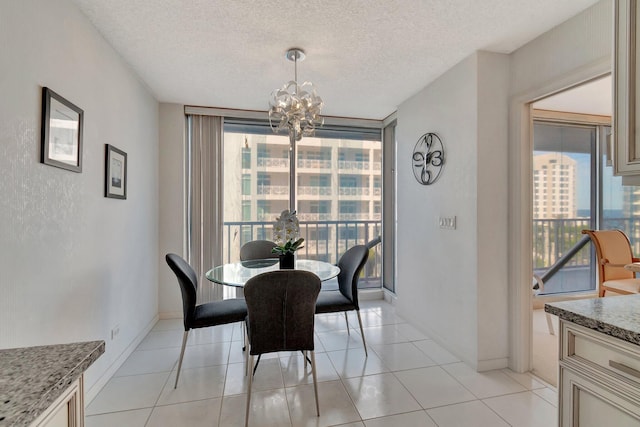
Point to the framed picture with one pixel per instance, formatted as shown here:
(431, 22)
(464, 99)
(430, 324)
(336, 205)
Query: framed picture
(61, 132)
(115, 181)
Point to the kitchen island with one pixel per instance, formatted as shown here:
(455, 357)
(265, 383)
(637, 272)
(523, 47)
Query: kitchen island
(43, 386)
(599, 361)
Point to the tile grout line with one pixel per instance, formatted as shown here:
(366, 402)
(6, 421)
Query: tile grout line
(343, 380)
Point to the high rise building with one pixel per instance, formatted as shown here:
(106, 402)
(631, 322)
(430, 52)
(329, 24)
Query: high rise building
(554, 186)
(338, 190)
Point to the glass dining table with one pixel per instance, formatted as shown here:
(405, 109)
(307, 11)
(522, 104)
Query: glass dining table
(238, 273)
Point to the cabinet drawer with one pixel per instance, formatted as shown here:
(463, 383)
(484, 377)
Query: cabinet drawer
(588, 404)
(610, 355)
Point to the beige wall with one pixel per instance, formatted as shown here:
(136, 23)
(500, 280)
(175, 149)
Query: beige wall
(470, 288)
(172, 205)
(73, 263)
(575, 51)
(442, 276)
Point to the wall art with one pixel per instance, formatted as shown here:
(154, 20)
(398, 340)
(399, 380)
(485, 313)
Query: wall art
(61, 132)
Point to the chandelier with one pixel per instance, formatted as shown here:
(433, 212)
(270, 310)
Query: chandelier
(295, 107)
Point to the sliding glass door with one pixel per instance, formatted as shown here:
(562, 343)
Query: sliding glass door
(337, 191)
(574, 189)
(564, 202)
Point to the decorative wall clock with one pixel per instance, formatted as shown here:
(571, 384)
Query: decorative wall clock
(428, 158)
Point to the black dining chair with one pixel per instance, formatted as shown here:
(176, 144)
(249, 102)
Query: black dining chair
(257, 249)
(281, 306)
(201, 315)
(345, 298)
(373, 243)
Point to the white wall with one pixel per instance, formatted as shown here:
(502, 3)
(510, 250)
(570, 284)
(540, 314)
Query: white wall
(441, 276)
(575, 51)
(172, 205)
(436, 269)
(492, 209)
(582, 41)
(454, 284)
(74, 264)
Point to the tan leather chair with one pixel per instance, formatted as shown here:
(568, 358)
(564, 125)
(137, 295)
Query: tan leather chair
(613, 252)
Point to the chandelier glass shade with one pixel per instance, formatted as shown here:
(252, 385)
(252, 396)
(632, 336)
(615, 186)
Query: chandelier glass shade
(295, 107)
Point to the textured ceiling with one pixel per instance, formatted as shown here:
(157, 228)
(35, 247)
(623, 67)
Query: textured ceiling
(365, 57)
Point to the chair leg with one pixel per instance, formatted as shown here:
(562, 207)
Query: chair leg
(245, 334)
(346, 319)
(550, 324)
(184, 344)
(315, 380)
(246, 350)
(246, 417)
(362, 334)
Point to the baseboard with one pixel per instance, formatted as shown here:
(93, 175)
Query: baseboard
(171, 315)
(370, 294)
(491, 364)
(91, 393)
(390, 297)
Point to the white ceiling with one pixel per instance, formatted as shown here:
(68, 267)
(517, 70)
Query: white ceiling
(365, 57)
(594, 97)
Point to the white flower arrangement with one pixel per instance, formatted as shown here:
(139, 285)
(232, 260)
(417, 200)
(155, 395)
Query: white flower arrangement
(285, 233)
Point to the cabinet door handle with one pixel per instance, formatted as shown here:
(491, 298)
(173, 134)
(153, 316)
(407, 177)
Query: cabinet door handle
(624, 368)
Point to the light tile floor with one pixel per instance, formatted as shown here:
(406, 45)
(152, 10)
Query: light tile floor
(545, 347)
(407, 380)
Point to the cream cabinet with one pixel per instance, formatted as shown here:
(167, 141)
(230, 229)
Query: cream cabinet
(67, 410)
(599, 381)
(44, 384)
(626, 116)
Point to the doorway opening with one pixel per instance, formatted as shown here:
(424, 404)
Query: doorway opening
(573, 188)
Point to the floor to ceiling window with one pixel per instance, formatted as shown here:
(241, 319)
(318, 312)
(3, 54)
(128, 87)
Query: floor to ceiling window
(564, 197)
(574, 189)
(337, 194)
(570, 168)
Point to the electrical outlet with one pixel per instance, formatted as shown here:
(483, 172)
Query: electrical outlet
(447, 222)
(115, 331)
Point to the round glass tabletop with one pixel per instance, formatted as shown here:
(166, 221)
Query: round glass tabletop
(237, 273)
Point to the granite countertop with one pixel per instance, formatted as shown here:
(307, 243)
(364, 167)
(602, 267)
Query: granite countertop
(32, 378)
(618, 316)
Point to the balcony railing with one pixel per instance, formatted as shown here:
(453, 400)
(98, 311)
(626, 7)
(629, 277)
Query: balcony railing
(314, 216)
(275, 190)
(553, 238)
(353, 164)
(324, 240)
(273, 162)
(354, 216)
(314, 163)
(310, 190)
(353, 191)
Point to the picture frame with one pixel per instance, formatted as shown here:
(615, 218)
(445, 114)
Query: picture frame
(115, 180)
(61, 142)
